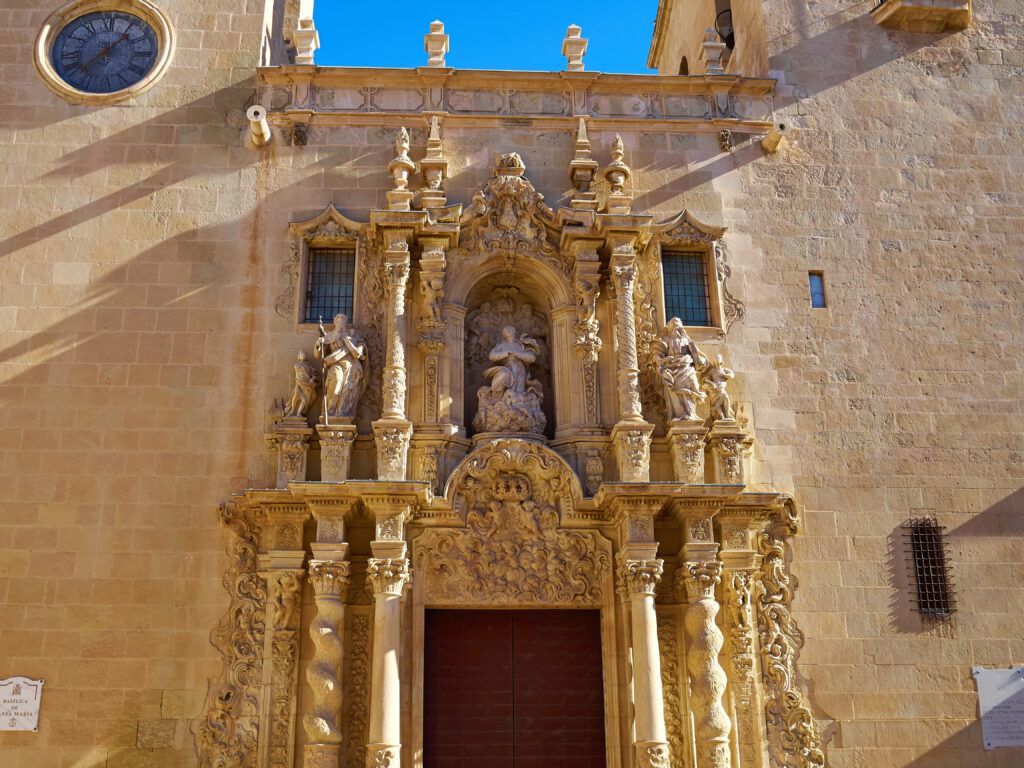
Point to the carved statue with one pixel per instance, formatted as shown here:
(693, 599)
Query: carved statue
(432, 289)
(344, 356)
(678, 362)
(512, 401)
(715, 378)
(307, 379)
(587, 292)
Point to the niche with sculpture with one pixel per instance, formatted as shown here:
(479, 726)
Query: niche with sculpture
(508, 359)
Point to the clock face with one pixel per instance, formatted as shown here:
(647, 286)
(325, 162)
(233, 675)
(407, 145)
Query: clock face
(105, 51)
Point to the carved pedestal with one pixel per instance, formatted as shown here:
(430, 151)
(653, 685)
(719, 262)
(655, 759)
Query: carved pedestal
(632, 441)
(726, 443)
(686, 441)
(392, 438)
(335, 450)
(290, 438)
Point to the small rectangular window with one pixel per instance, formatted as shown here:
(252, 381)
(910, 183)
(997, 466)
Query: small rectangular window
(686, 287)
(926, 540)
(329, 283)
(817, 281)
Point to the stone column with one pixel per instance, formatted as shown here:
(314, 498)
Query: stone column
(639, 573)
(393, 430)
(698, 574)
(329, 576)
(387, 572)
(631, 435)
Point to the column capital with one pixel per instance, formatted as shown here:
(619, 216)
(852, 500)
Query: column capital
(329, 577)
(388, 576)
(640, 576)
(699, 578)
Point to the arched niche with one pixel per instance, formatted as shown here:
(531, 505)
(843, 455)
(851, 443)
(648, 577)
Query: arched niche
(508, 297)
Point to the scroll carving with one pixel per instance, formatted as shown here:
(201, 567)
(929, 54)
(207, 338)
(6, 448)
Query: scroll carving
(512, 550)
(794, 740)
(228, 731)
(671, 676)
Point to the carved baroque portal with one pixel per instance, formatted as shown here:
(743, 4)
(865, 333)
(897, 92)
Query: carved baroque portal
(510, 301)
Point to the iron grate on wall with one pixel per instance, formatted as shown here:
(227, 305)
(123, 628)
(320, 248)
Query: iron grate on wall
(928, 549)
(329, 284)
(686, 287)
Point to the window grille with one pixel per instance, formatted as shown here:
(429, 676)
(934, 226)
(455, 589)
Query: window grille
(329, 283)
(686, 287)
(927, 545)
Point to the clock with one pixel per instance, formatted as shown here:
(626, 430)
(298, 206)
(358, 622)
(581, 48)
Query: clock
(104, 51)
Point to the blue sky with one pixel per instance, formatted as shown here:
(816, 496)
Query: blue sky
(525, 34)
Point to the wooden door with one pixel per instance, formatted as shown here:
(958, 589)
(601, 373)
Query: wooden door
(513, 689)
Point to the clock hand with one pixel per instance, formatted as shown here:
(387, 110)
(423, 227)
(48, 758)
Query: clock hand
(103, 52)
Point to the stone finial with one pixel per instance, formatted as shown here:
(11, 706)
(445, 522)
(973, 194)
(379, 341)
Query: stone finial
(307, 40)
(434, 167)
(400, 198)
(712, 50)
(436, 44)
(617, 174)
(573, 48)
(581, 172)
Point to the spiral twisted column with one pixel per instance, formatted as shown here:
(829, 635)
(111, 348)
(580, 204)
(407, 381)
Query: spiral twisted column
(329, 579)
(708, 679)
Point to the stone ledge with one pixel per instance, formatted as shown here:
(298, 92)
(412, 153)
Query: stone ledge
(927, 16)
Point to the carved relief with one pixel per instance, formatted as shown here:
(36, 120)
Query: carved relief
(588, 343)
(509, 216)
(793, 737)
(227, 733)
(373, 298)
(357, 699)
(700, 529)
(688, 455)
(512, 550)
(671, 679)
(392, 451)
(732, 307)
(593, 468)
(648, 279)
(285, 651)
(652, 755)
(739, 621)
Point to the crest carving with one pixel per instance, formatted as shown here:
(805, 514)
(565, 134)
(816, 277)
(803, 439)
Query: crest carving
(512, 551)
(509, 216)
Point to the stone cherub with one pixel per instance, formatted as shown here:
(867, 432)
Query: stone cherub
(344, 356)
(512, 401)
(716, 377)
(307, 379)
(679, 361)
(432, 289)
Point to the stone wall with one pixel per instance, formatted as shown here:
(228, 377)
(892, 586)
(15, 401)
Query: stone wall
(141, 252)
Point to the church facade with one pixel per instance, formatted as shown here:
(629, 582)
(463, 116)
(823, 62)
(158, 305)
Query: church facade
(408, 418)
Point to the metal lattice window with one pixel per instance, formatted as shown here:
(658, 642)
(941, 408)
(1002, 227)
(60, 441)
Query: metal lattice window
(686, 287)
(926, 540)
(329, 286)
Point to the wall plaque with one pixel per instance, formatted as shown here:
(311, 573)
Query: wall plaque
(1001, 699)
(19, 704)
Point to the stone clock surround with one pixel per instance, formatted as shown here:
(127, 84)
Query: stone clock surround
(148, 12)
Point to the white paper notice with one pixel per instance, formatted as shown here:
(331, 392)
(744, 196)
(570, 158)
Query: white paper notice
(19, 704)
(1001, 698)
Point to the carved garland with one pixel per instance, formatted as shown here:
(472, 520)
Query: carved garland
(794, 739)
(226, 735)
(512, 550)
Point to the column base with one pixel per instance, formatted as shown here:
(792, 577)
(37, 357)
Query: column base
(392, 438)
(651, 754)
(336, 449)
(632, 440)
(383, 755)
(321, 756)
(686, 442)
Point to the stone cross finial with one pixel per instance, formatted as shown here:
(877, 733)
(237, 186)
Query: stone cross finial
(436, 44)
(400, 198)
(307, 40)
(712, 50)
(573, 48)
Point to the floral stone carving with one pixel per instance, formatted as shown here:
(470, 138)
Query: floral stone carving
(512, 401)
(512, 551)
